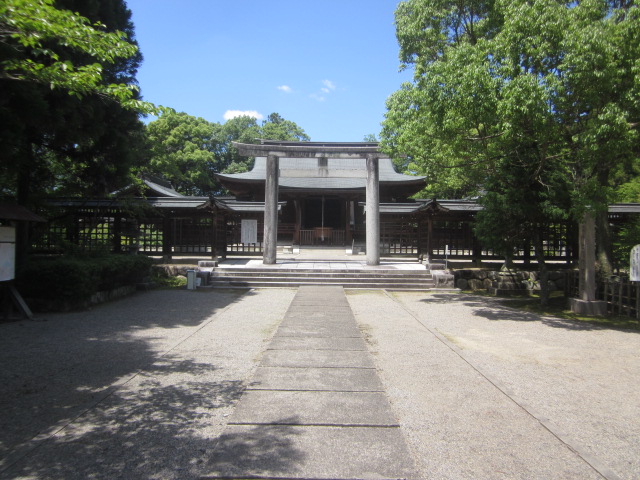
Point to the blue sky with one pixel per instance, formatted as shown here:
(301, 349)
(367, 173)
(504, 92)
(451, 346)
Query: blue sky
(328, 65)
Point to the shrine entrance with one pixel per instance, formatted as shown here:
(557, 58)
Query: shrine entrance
(323, 212)
(323, 221)
(325, 181)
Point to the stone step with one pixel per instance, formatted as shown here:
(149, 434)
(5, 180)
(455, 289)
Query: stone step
(280, 282)
(321, 278)
(279, 277)
(322, 270)
(372, 275)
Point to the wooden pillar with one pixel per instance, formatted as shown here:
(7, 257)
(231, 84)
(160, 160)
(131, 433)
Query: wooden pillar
(117, 233)
(476, 250)
(373, 211)
(296, 233)
(348, 234)
(429, 238)
(271, 211)
(166, 237)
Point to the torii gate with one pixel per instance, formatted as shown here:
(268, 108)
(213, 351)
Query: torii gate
(273, 150)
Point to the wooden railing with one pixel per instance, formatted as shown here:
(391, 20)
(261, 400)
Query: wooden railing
(621, 295)
(322, 236)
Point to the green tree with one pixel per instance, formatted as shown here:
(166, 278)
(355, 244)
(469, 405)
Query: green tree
(544, 85)
(188, 151)
(183, 150)
(247, 130)
(69, 105)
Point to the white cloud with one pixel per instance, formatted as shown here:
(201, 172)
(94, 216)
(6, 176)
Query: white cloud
(317, 97)
(329, 85)
(325, 90)
(285, 88)
(229, 114)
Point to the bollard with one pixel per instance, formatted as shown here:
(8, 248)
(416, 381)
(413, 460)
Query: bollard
(191, 279)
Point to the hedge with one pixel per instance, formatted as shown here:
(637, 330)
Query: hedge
(72, 280)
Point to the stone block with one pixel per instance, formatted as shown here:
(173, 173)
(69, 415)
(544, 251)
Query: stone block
(588, 307)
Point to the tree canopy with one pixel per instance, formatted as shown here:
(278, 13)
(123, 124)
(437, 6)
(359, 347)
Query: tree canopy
(69, 103)
(493, 79)
(531, 105)
(188, 151)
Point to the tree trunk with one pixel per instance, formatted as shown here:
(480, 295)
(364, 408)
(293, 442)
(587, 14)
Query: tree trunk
(542, 264)
(604, 254)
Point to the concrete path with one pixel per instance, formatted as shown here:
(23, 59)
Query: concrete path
(316, 407)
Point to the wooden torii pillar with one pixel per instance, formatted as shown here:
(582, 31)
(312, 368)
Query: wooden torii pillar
(274, 150)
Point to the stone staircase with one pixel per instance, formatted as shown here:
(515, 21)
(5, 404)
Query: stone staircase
(363, 278)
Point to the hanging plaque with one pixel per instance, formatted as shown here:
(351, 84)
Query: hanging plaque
(635, 264)
(7, 253)
(249, 231)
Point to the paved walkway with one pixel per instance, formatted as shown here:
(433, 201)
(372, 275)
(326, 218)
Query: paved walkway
(180, 384)
(315, 408)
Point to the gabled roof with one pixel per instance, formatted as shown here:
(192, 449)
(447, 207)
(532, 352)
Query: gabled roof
(18, 212)
(161, 190)
(155, 187)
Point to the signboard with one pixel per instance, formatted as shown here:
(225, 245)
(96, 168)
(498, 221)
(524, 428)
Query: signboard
(635, 264)
(249, 231)
(7, 253)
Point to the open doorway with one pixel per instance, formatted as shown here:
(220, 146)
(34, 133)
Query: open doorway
(323, 212)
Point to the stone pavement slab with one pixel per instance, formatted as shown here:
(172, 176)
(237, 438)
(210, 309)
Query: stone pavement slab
(317, 358)
(319, 331)
(314, 408)
(327, 379)
(318, 343)
(291, 452)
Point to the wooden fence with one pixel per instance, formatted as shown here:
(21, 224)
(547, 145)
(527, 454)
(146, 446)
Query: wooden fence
(622, 296)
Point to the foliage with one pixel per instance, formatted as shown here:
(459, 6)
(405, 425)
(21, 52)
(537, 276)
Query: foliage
(161, 278)
(35, 37)
(188, 151)
(531, 105)
(556, 82)
(182, 150)
(69, 103)
(72, 280)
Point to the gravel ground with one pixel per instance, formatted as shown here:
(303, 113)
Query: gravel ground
(137, 388)
(484, 391)
(143, 387)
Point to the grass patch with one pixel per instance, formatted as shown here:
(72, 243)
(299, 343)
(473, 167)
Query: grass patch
(558, 307)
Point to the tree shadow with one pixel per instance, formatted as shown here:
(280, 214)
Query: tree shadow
(60, 366)
(498, 309)
(165, 433)
(257, 451)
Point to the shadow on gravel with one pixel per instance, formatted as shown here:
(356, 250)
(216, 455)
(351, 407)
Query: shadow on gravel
(498, 309)
(58, 365)
(257, 450)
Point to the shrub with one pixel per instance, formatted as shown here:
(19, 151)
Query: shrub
(70, 281)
